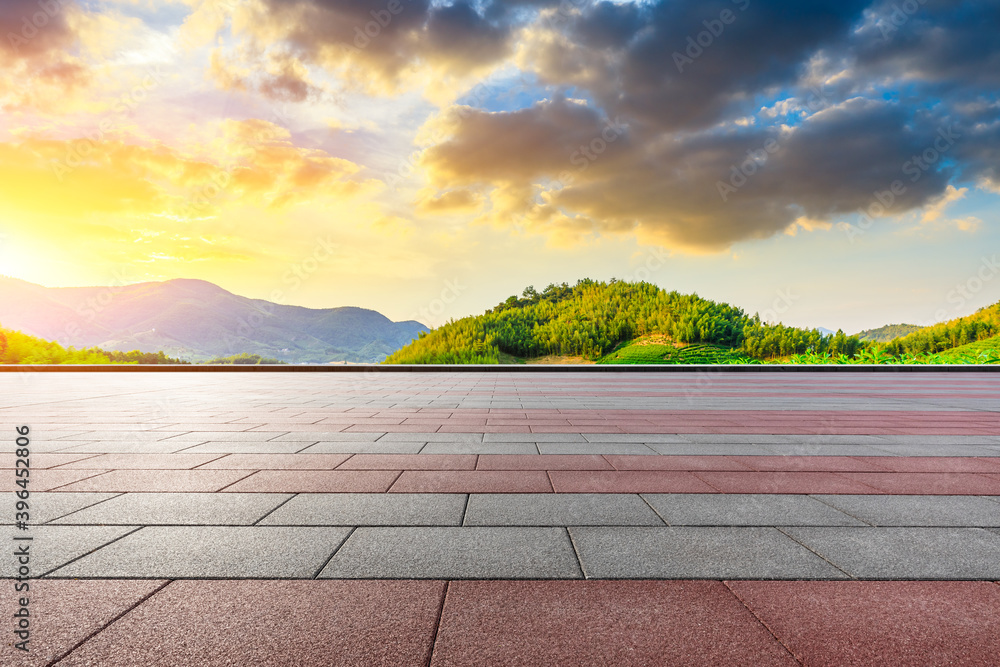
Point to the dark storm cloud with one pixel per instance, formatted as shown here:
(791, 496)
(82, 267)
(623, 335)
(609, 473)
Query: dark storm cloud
(909, 94)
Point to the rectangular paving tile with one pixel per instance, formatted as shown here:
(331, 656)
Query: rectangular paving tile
(906, 553)
(542, 462)
(690, 509)
(784, 482)
(65, 613)
(576, 509)
(480, 448)
(219, 448)
(947, 483)
(46, 506)
(370, 509)
(815, 463)
(211, 552)
(364, 448)
(431, 437)
(410, 462)
(455, 553)
(53, 546)
(534, 437)
(276, 462)
(696, 553)
(628, 481)
(880, 622)
(958, 511)
(472, 481)
(936, 464)
(676, 463)
(166, 481)
(280, 622)
(316, 481)
(182, 509)
(46, 480)
(569, 623)
(41, 460)
(595, 448)
(824, 450)
(180, 461)
(693, 449)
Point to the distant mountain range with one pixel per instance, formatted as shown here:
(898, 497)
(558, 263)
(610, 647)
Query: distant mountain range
(196, 320)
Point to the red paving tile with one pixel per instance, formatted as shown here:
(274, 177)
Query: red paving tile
(814, 463)
(785, 482)
(410, 462)
(935, 463)
(926, 483)
(273, 623)
(47, 480)
(64, 613)
(674, 462)
(600, 623)
(542, 462)
(316, 481)
(41, 460)
(276, 462)
(472, 481)
(130, 461)
(899, 623)
(637, 481)
(157, 481)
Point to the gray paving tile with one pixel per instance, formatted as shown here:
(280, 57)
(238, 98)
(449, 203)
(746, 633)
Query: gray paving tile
(723, 438)
(533, 437)
(432, 437)
(573, 509)
(696, 553)
(210, 552)
(44, 507)
(958, 511)
(906, 553)
(706, 449)
(179, 509)
(126, 447)
(817, 439)
(370, 509)
(224, 447)
(455, 553)
(713, 509)
(647, 438)
(594, 448)
(327, 436)
(480, 448)
(935, 450)
(53, 546)
(364, 448)
(826, 450)
(942, 439)
(225, 436)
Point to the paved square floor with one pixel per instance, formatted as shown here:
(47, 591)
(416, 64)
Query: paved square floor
(499, 518)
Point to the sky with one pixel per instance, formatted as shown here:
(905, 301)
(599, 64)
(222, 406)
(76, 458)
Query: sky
(827, 163)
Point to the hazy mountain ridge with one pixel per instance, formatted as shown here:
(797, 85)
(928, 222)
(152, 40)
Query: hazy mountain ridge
(888, 332)
(198, 320)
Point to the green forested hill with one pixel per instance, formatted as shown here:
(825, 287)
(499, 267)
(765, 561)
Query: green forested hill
(888, 332)
(20, 348)
(591, 318)
(622, 322)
